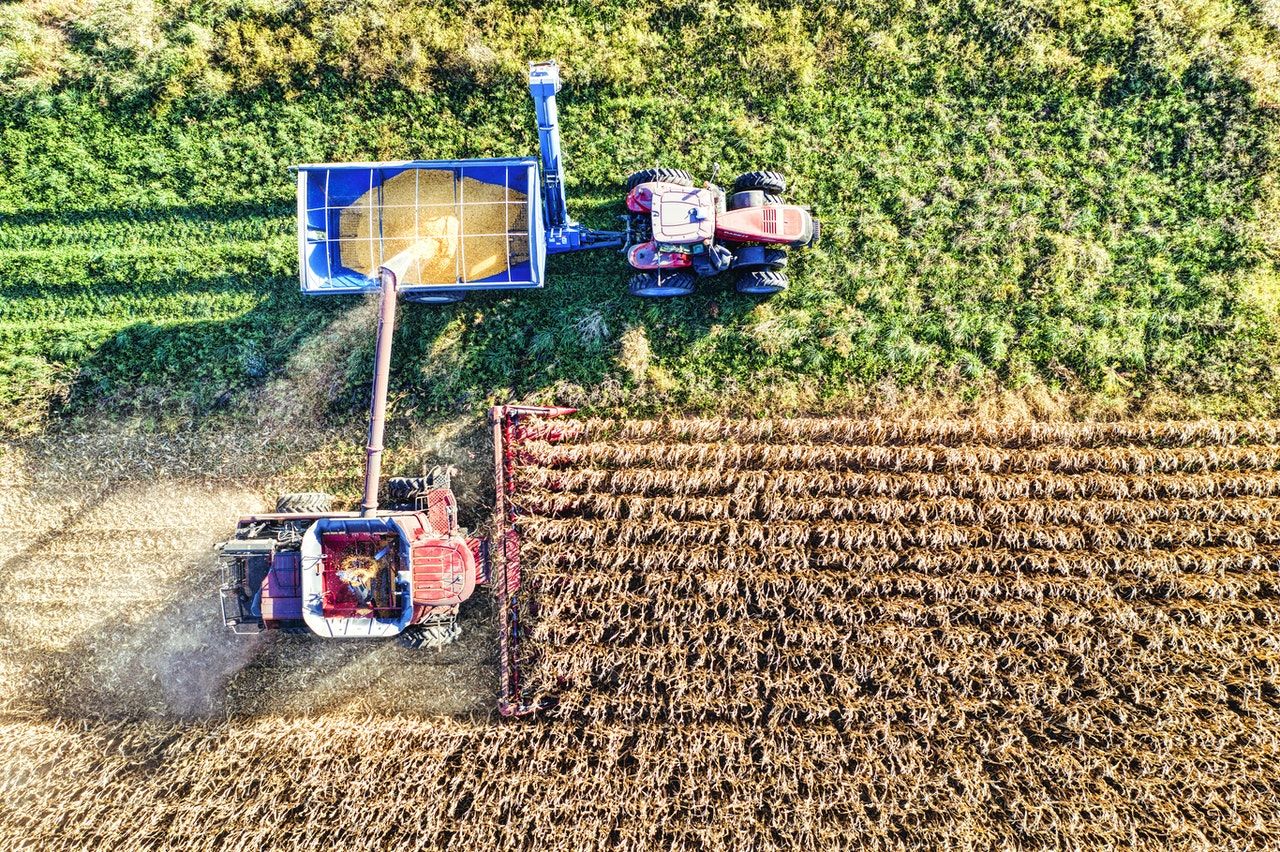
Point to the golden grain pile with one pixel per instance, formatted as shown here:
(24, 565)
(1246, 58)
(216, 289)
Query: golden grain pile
(790, 634)
(447, 229)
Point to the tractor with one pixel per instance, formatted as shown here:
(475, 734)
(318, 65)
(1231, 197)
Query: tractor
(678, 232)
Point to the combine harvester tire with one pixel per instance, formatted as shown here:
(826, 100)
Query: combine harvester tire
(304, 503)
(420, 636)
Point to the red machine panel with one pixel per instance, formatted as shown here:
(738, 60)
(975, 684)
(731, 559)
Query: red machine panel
(444, 572)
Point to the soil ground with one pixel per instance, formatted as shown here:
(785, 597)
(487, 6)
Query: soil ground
(109, 582)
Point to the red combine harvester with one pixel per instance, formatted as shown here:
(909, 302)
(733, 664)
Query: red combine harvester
(369, 574)
(678, 233)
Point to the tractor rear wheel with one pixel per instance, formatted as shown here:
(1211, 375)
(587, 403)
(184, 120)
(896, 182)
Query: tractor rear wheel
(432, 635)
(659, 284)
(762, 283)
(771, 182)
(304, 503)
(751, 198)
(435, 297)
(677, 176)
(759, 259)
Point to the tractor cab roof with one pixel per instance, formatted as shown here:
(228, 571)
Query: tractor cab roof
(683, 215)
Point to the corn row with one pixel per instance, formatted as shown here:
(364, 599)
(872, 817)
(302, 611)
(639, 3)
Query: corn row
(910, 433)
(769, 507)
(970, 459)
(984, 486)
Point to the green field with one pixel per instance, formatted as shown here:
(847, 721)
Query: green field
(1069, 204)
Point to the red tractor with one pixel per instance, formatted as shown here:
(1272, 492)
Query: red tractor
(678, 232)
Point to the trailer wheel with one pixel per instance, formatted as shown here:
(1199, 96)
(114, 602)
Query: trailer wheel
(677, 176)
(771, 182)
(436, 635)
(435, 297)
(661, 284)
(752, 198)
(762, 283)
(759, 259)
(304, 503)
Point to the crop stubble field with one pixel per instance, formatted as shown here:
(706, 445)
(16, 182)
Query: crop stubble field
(867, 633)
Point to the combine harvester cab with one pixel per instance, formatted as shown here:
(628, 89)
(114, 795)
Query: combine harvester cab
(373, 577)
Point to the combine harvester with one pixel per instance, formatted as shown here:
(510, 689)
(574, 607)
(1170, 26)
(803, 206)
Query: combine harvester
(430, 231)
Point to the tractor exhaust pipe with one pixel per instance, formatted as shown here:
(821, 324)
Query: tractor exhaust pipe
(378, 403)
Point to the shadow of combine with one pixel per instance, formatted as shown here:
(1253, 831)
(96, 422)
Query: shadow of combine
(141, 636)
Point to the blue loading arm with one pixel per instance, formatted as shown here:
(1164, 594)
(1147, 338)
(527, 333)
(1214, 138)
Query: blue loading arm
(563, 234)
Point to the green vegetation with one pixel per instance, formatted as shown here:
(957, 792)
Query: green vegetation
(1082, 196)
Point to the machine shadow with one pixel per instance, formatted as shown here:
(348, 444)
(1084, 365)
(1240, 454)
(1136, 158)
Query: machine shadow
(148, 641)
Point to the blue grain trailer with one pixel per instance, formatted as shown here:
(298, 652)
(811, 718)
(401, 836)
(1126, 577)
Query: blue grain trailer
(444, 227)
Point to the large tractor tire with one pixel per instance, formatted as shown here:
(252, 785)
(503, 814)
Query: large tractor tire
(435, 635)
(677, 176)
(751, 198)
(661, 284)
(435, 297)
(759, 259)
(304, 503)
(407, 489)
(771, 182)
(764, 283)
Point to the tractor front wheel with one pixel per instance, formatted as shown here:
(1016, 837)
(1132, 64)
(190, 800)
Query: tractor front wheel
(304, 503)
(763, 283)
(659, 284)
(661, 174)
(759, 259)
(771, 182)
(435, 297)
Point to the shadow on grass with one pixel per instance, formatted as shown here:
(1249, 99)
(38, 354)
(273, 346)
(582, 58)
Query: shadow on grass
(215, 213)
(495, 347)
